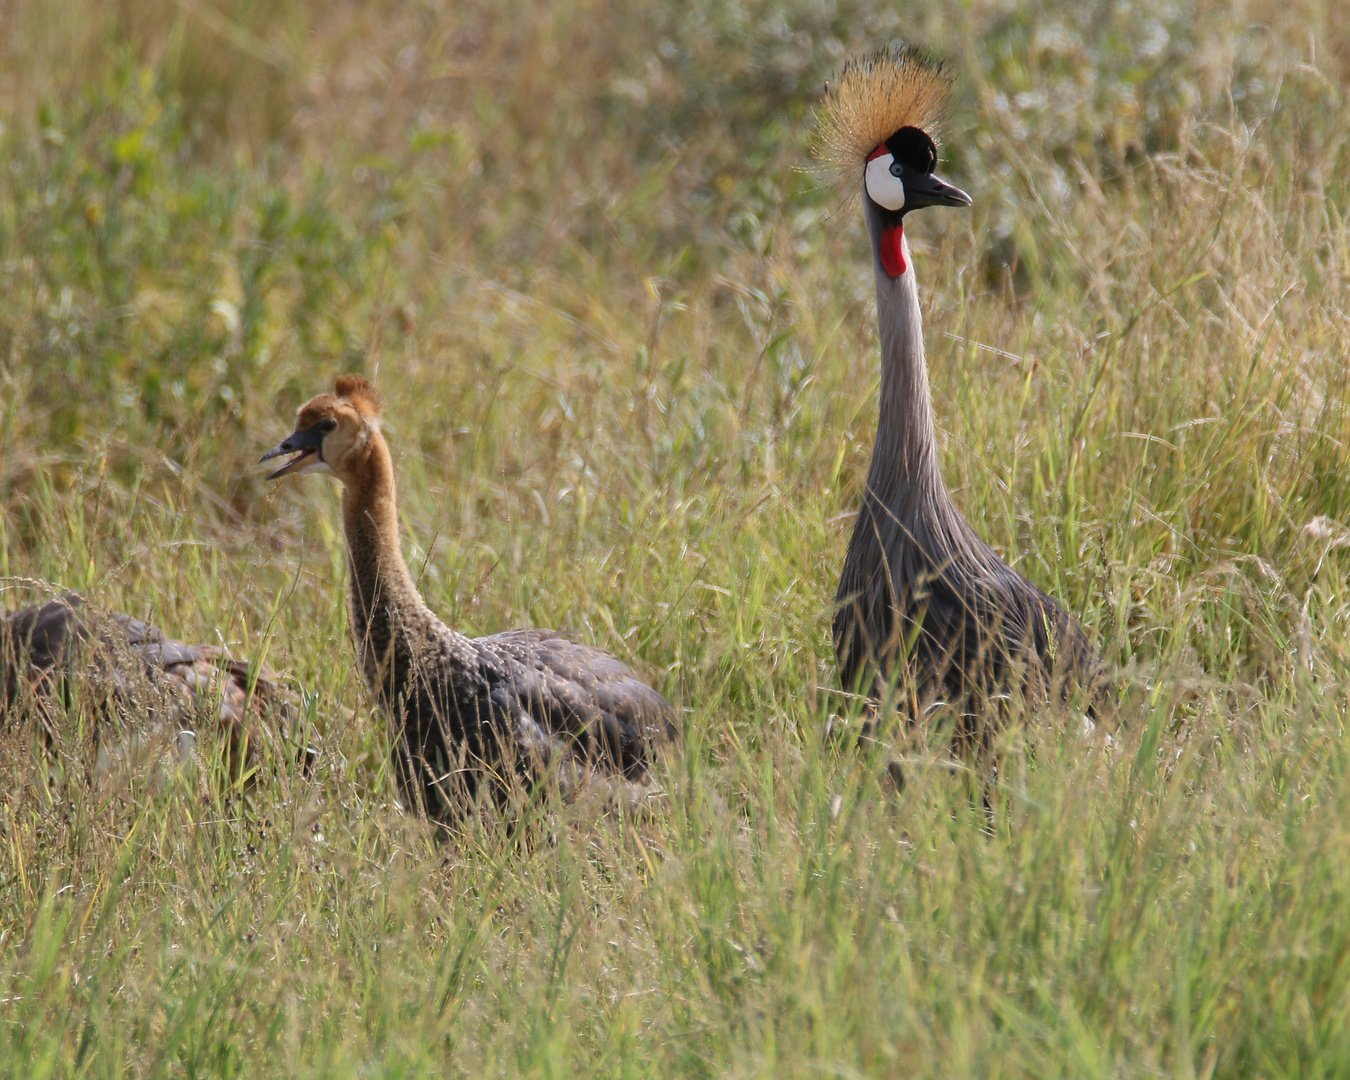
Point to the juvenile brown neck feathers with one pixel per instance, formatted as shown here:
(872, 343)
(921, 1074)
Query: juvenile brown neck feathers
(387, 612)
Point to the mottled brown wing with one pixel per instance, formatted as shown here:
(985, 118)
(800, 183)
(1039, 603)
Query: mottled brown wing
(38, 644)
(585, 693)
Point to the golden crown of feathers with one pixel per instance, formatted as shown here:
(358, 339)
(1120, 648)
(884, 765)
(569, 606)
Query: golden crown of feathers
(873, 98)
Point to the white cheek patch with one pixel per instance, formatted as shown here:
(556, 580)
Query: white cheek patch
(317, 466)
(886, 190)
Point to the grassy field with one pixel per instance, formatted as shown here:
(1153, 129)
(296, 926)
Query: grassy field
(629, 356)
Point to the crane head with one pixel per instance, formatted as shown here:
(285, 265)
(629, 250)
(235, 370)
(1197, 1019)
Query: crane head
(899, 176)
(331, 432)
(878, 118)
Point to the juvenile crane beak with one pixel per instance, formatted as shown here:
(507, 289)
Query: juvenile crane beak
(303, 444)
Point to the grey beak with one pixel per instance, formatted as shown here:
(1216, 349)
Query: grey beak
(927, 189)
(303, 443)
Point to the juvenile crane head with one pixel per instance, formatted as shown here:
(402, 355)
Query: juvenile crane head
(333, 432)
(876, 120)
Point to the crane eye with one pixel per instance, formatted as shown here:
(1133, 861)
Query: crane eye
(328, 425)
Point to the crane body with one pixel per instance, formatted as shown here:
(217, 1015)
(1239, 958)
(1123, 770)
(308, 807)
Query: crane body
(926, 610)
(133, 673)
(464, 712)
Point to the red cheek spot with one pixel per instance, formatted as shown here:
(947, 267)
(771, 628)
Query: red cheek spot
(881, 149)
(892, 252)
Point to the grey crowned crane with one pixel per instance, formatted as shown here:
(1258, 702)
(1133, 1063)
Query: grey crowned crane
(926, 611)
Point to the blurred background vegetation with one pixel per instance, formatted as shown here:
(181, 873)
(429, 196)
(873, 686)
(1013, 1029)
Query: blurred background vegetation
(628, 347)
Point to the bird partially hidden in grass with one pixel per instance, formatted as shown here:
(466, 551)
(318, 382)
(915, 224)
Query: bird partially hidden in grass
(468, 716)
(927, 613)
(146, 691)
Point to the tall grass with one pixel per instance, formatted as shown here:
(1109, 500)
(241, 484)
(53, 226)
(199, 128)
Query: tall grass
(629, 355)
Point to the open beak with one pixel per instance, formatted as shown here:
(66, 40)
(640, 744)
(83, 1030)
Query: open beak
(925, 189)
(303, 444)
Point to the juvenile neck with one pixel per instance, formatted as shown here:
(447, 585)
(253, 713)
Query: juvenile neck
(387, 611)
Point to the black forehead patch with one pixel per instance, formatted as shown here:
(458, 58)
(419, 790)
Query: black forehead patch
(914, 149)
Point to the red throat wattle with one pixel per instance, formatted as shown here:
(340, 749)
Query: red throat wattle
(892, 251)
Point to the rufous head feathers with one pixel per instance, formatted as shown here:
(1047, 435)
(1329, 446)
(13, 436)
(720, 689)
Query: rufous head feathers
(357, 390)
(874, 97)
(333, 432)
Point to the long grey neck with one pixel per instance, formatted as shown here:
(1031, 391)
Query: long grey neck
(904, 475)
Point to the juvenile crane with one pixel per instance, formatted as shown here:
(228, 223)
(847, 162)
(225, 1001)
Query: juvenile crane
(463, 711)
(132, 671)
(924, 605)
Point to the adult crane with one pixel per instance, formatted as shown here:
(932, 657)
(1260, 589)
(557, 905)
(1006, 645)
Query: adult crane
(926, 611)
